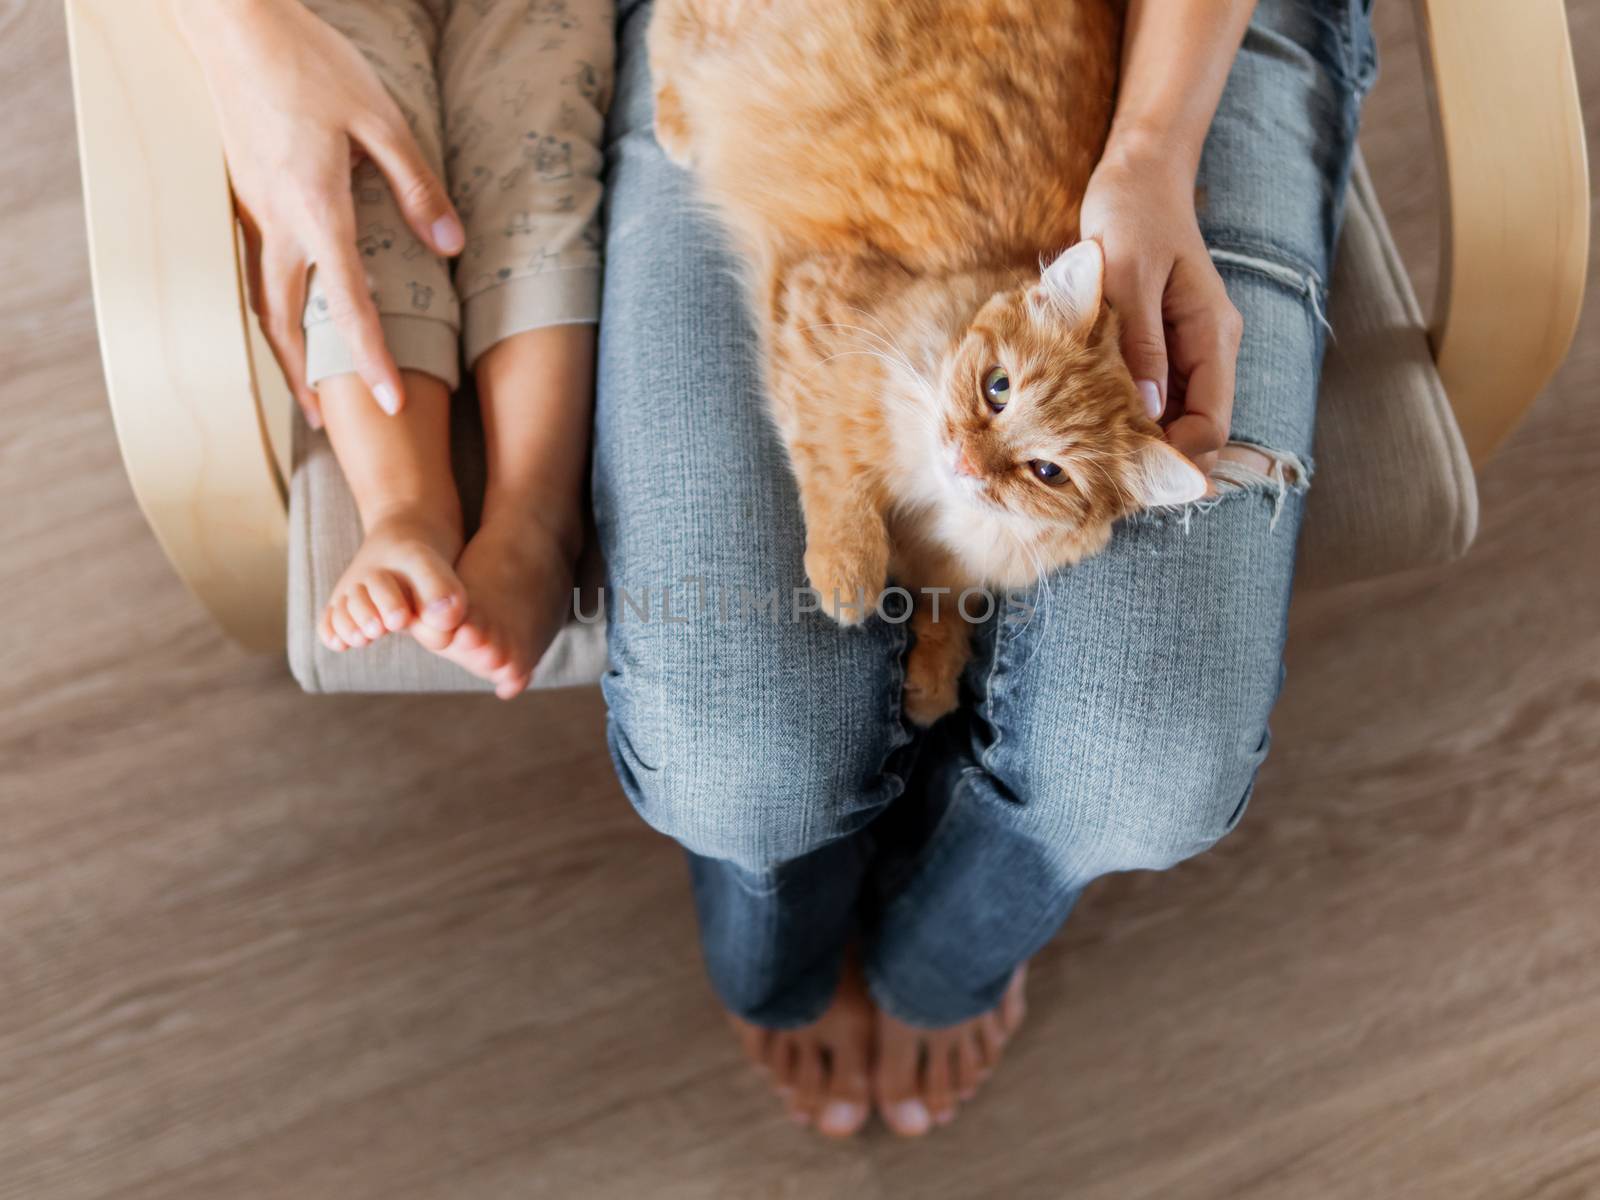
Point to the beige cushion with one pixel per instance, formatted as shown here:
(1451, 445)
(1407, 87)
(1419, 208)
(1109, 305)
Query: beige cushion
(1393, 487)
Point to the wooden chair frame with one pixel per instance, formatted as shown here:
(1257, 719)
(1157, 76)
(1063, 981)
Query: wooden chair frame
(203, 416)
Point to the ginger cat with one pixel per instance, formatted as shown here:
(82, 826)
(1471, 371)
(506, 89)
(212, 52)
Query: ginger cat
(891, 172)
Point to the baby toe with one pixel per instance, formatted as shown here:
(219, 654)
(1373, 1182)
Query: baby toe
(390, 599)
(365, 613)
(326, 632)
(346, 628)
(511, 681)
(441, 599)
(467, 639)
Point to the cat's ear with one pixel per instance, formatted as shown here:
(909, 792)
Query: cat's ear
(1161, 475)
(1074, 284)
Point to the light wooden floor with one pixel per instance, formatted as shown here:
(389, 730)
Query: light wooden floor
(257, 945)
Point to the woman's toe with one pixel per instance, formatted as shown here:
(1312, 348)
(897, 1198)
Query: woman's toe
(968, 1067)
(941, 1095)
(808, 1081)
(782, 1062)
(753, 1040)
(991, 1040)
(1014, 1004)
(895, 1086)
(845, 1104)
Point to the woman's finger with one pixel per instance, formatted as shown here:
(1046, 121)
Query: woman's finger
(252, 264)
(417, 189)
(1211, 351)
(350, 306)
(1136, 295)
(283, 287)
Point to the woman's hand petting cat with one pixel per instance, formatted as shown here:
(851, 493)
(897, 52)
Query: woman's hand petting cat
(1180, 332)
(298, 105)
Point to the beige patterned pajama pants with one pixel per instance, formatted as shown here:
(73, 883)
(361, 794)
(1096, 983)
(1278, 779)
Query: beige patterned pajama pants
(507, 100)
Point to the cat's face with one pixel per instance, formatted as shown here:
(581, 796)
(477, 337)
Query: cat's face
(1040, 419)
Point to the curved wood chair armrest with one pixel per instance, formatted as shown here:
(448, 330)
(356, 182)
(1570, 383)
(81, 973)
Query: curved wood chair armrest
(1515, 250)
(176, 335)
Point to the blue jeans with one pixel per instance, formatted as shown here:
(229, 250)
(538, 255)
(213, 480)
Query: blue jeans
(1120, 728)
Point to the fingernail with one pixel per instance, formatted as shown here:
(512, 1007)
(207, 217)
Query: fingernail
(910, 1114)
(441, 605)
(313, 418)
(448, 236)
(1152, 398)
(387, 399)
(373, 629)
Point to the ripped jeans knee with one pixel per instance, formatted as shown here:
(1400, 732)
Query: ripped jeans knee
(1244, 467)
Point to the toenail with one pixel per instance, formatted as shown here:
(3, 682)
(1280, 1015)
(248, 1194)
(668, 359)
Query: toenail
(840, 1114)
(910, 1114)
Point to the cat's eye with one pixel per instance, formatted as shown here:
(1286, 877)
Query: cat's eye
(1048, 471)
(996, 388)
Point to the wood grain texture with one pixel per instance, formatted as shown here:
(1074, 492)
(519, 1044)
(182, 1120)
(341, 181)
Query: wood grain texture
(256, 945)
(1516, 243)
(174, 328)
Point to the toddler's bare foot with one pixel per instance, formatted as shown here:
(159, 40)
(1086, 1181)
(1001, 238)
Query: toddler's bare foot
(821, 1071)
(518, 576)
(400, 578)
(920, 1074)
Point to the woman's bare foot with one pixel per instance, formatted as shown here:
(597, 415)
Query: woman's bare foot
(822, 1071)
(518, 576)
(401, 576)
(920, 1075)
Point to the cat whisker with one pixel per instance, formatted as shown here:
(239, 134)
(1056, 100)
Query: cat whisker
(881, 339)
(1124, 497)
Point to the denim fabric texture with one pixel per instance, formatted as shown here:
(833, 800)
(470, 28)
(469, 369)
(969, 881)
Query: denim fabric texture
(1119, 727)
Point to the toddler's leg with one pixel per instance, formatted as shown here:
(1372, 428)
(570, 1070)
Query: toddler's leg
(526, 84)
(397, 466)
(518, 568)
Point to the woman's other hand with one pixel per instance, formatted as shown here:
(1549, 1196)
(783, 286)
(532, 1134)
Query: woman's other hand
(298, 106)
(1180, 332)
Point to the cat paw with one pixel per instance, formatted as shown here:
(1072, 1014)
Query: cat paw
(932, 687)
(672, 126)
(847, 587)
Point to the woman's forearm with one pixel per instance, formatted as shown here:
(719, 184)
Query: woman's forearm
(295, 100)
(205, 23)
(1176, 55)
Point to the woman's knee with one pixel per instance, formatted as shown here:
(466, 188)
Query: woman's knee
(1170, 799)
(724, 745)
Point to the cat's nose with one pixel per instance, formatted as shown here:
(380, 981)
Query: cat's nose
(965, 466)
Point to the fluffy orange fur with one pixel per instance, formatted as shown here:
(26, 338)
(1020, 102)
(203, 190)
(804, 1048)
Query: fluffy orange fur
(893, 172)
